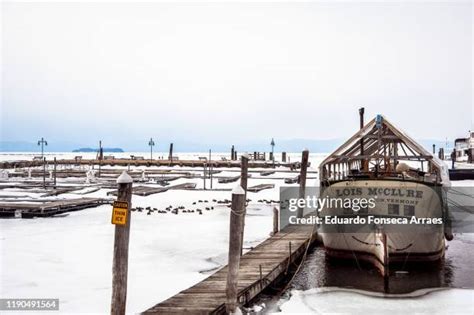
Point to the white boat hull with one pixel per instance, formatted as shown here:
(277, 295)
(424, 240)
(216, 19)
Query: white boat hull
(414, 243)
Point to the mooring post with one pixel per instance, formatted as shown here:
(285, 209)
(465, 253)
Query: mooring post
(434, 149)
(121, 241)
(211, 168)
(243, 182)
(44, 173)
(204, 175)
(386, 262)
(302, 179)
(235, 248)
(283, 157)
(170, 155)
(275, 220)
(232, 152)
(55, 163)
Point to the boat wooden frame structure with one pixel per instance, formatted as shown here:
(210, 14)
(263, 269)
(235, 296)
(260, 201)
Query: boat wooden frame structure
(374, 153)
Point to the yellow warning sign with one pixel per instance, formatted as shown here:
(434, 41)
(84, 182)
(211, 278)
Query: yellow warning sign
(119, 212)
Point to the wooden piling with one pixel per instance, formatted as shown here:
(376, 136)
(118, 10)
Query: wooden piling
(204, 175)
(303, 172)
(210, 168)
(101, 151)
(55, 165)
(275, 220)
(232, 152)
(44, 173)
(235, 248)
(243, 183)
(121, 241)
(283, 157)
(170, 155)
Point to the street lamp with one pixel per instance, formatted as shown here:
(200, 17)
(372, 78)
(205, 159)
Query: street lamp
(151, 143)
(273, 152)
(42, 143)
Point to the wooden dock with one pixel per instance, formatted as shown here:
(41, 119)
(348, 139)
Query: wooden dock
(48, 208)
(127, 162)
(147, 190)
(260, 187)
(259, 268)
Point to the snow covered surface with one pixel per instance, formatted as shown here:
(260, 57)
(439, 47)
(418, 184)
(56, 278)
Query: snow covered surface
(345, 301)
(70, 257)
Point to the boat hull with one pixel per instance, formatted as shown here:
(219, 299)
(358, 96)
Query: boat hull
(377, 243)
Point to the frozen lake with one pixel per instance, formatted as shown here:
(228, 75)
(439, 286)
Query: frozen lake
(70, 257)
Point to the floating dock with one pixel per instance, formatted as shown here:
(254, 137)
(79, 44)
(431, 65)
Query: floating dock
(461, 174)
(126, 162)
(146, 190)
(259, 268)
(48, 208)
(260, 187)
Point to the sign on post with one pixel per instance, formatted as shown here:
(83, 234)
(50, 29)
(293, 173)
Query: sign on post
(119, 212)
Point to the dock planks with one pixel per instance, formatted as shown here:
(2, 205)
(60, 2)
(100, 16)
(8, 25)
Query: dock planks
(126, 162)
(260, 187)
(147, 190)
(273, 256)
(49, 208)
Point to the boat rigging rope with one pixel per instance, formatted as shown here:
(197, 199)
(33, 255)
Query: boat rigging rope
(389, 246)
(302, 260)
(352, 251)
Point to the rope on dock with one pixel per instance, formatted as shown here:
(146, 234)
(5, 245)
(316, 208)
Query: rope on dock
(302, 260)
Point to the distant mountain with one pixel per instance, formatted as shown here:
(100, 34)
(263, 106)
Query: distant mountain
(96, 150)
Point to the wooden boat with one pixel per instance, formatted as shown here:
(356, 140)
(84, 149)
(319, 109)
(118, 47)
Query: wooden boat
(407, 182)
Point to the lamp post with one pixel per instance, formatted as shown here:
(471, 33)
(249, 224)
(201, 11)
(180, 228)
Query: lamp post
(151, 143)
(273, 152)
(42, 143)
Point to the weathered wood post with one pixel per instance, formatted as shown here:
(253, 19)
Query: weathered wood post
(211, 168)
(121, 241)
(44, 173)
(275, 220)
(232, 152)
(55, 164)
(434, 149)
(170, 155)
(302, 179)
(204, 174)
(283, 157)
(101, 151)
(235, 247)
(243, 183)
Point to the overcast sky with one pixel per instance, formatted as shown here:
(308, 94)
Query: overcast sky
(233, 72)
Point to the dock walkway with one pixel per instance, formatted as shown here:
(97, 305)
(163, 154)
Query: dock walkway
(258, 269)
(126, 162)
(49, 208)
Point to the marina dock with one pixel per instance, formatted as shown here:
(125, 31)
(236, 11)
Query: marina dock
(48, 208)
(259, 268)
(134, 162)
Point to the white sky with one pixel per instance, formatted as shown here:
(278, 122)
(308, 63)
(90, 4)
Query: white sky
(209, 72)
